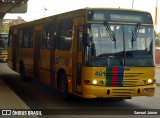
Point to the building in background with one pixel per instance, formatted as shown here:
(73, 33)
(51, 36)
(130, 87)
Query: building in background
(10, 22)
(157, 53)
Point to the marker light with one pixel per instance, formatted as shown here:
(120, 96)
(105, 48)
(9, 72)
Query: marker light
(144, 82)
(101, 82)
(94, 81)
(149, 80)
(87, 81)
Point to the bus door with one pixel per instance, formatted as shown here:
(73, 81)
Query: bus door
(38, 36)
(14, 51)
(77, 59)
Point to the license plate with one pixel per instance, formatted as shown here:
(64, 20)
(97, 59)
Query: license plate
(148, 90)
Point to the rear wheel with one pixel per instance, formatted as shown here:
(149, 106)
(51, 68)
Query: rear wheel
(63, 87)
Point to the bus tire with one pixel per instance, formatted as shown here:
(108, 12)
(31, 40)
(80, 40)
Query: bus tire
(63, 87)
(22, 71)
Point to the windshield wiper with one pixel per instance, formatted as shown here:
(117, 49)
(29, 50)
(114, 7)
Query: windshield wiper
(111, 34)
(135, 33)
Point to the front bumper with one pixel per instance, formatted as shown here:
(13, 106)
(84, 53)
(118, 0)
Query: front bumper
(91, 91)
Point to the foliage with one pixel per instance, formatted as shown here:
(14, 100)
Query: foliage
(5, 28)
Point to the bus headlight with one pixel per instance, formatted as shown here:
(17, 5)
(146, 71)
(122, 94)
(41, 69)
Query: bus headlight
(94, 82)
(149, 80)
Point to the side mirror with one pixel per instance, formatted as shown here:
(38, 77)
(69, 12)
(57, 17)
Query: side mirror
(70, 32)
(86, 39)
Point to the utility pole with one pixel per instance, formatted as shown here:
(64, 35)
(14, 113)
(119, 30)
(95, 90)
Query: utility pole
(132, 3)
(45, 11)
(156, 15)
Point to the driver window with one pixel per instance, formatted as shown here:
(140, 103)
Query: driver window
(80, 33)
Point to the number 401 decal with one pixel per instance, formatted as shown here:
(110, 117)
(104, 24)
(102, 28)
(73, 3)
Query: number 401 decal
(100, 73)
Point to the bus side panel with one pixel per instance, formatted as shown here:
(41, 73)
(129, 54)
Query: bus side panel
(52, 66)
(36, 46)
(44, 73)
(26, 55)
(14, 50)
(9, 61)
(63, 61)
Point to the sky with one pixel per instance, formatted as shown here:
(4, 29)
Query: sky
(36, 8)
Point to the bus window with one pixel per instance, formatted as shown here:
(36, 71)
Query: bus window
(10, 39)
(31, 35)
(65, 35)
(26, 38)
(50, 36)
(20, 38)
(44, 35)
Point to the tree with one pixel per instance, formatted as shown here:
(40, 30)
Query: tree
(5, 28)
(157, 42)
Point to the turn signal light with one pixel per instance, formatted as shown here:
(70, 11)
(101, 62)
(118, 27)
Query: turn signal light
(86, 81)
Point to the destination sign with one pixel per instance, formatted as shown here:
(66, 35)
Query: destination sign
(119, 16)
(129, 18)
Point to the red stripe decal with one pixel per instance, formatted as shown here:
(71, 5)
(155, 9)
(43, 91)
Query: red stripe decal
(115, 76)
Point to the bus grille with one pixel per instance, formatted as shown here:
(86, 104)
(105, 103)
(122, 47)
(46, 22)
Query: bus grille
(123, 92)
(130, 82)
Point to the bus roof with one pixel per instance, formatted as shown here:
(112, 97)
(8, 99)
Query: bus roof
(120, 9)
(70, 14)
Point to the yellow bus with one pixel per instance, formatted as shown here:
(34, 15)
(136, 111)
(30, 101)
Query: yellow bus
(91, 52)
(3, 47)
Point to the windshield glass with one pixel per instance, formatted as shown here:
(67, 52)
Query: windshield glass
(116, 47)
(140, 50)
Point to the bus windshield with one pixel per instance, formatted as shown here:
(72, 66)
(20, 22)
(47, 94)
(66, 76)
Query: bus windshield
(124, 50)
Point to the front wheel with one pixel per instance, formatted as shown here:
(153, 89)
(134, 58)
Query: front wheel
(63, 87)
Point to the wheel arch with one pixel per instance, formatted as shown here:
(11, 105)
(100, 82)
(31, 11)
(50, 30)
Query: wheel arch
(60, 71)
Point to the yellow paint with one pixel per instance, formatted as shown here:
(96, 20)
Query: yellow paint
(78, 21)
(133, 77)
(45, 58)
(90, 91)
(63, 61)
(29, 70)
(44, 76)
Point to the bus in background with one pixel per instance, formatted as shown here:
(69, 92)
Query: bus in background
(3, 47)
(91, 52)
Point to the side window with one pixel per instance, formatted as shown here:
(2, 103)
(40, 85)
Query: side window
(65, 34)
(20, 38)
(44, 35)
(80, 33)
(50, 36)
(26, 38)
(31, 36)
(10, 39)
